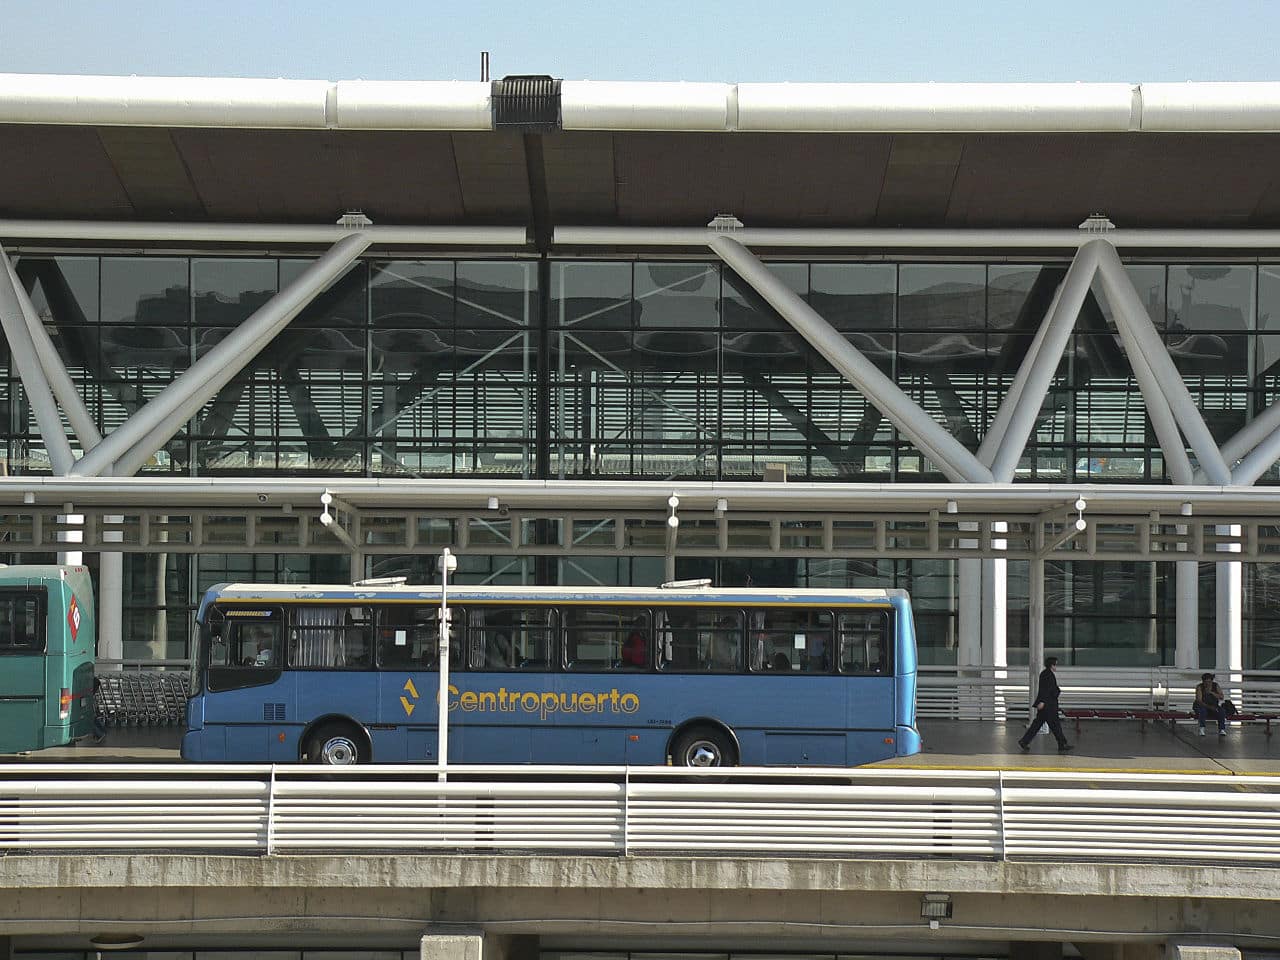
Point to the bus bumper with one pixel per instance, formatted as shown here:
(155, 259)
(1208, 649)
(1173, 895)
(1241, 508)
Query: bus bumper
(193, 745)
(908, 741)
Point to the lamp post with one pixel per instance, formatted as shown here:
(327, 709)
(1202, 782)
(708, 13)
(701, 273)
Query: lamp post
(448, 563)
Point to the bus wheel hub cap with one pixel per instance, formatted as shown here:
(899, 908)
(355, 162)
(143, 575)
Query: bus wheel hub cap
(339, 752)
(703, 756)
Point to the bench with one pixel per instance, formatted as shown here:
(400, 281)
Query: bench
(1170, 716)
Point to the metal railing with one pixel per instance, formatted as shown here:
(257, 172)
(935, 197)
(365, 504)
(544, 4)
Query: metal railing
(1000, 693)
(863, 813)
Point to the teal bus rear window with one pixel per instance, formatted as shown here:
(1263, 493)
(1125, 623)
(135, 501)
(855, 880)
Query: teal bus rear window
(21, 622)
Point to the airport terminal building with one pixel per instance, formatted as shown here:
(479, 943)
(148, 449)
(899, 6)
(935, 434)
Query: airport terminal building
(840, 326)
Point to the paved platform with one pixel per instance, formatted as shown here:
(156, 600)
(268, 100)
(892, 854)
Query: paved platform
(1115, 745)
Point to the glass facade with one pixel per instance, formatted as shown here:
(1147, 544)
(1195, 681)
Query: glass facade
(652, 369)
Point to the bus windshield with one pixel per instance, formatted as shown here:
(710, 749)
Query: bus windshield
(693, 676)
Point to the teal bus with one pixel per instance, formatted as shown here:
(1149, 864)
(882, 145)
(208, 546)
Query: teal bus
(683, 674)
(46, 656)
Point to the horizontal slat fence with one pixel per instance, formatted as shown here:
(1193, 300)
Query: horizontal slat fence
(862, 812)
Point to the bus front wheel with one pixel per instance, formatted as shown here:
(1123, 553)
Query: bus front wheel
(334, 745)
(703, 747)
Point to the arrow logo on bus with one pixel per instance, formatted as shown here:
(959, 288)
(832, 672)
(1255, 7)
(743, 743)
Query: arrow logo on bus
(405, 701)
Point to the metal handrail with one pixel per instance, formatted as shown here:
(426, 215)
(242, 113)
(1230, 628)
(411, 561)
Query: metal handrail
(641, 811)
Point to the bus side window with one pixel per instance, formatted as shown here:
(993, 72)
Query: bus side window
(864, 642)
(21, 626)
(409, 637)
(251, 643)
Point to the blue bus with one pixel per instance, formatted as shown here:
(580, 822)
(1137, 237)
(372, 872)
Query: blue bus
(686, 675)
(47, 647)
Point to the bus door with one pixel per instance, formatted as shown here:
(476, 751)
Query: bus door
(246, 650)
(606, 703)
(797, 697)
(502, 715)
(866, 661)
(24, 690)
(408, 642)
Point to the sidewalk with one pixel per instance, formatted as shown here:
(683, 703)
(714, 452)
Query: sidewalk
(1120, 745)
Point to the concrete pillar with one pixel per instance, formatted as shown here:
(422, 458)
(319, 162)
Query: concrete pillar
(111, 605)
(1200, 951)
(1035, 950)
(1230, 608)
(1187, 623)
(1094, 950)
(461, 944)
(969, 653)
(469, 943)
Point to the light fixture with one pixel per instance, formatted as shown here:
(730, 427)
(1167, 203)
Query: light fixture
(115, 941)
(935, 906)
(492, 503)
(953, 507)
(722, 507)
(29, 497)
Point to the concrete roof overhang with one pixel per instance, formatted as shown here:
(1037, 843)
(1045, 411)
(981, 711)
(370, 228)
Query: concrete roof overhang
(661, 154)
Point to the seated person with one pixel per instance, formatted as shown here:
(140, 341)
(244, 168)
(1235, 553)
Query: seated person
(780, 661)
(1210, 702)
(635, 649)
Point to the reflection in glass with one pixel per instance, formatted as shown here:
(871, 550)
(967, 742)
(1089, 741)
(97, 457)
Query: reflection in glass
(1211, 297)
(854, 296)
(941, 296)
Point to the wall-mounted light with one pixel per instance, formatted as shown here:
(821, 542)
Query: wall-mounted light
(115, 941)
(672, 520)
(493, 503)
(935, 906)
(953, 507)
(722, 507)
(29, 497)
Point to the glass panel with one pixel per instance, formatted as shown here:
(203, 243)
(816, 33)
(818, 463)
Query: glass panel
(864, 641)
(331, 638)
(145, 290)
(1211, 297)
(677, 296)
(228, 291)
(511, 638)
(606, 639)
(942, 296)
(699, 639)
(344, 304)
(409, 637)
(594, 295)
(1019, 297)
(413, 294)
(743, 308)
(790, 640)
(494, 294)
(21, 626)
(854, 296)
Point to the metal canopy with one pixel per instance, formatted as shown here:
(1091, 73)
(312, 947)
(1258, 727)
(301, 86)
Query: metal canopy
(609, 518)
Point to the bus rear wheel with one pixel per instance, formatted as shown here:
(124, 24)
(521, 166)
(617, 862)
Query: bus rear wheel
(335, 745)
(703, 747)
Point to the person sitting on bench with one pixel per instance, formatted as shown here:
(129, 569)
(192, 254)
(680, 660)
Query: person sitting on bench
(1211, 703)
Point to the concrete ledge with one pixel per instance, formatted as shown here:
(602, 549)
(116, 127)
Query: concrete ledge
(408, 872)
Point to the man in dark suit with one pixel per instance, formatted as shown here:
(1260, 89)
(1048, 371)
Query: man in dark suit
(1046, 708)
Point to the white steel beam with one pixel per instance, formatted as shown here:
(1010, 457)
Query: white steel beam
(1012, 430)
(1129, 310)
(133, 443)
(1065, 239)
(952, 457)
(30, 370)
(256, 233)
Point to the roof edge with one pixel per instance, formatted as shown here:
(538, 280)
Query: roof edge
(646, 106)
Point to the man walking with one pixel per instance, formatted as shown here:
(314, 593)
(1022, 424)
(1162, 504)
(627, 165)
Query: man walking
(1046, 708)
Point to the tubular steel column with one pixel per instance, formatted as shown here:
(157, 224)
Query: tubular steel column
(1040, 368)
(110, 563)
(133, 443)
(951, 456)
(34, 383)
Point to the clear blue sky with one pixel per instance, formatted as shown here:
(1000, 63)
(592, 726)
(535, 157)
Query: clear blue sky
(731, 40)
